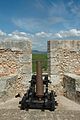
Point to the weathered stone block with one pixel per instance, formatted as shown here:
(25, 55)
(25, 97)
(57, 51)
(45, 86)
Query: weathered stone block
(55, 79)
(7, 83)
(71, 86)
(15, 58)
(24, 58)
(64, 56)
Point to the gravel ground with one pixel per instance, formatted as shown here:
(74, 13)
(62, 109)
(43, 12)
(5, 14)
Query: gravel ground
(66, 110)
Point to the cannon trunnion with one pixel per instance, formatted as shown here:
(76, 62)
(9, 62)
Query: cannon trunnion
(38, 96)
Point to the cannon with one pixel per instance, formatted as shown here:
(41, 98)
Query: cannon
(38, 96)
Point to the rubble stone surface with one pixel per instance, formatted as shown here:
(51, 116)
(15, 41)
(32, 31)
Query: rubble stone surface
(15, 66)
(64, 57)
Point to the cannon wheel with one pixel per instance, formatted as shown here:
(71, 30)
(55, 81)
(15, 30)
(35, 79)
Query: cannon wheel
(23, 102)
(52, 100)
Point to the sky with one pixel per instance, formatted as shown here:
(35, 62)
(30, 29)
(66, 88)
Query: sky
(39, 20)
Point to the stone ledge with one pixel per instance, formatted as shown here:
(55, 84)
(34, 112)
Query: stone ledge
(74, 76)
(7, 86)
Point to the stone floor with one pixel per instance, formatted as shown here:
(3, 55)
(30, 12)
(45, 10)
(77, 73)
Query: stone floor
(15, 114)
(66, 110)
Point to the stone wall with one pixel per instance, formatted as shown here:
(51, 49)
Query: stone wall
(71, 86)
(64, 57)
(15, 66)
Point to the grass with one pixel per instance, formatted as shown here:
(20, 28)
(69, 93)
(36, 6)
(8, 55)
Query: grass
(40, 57)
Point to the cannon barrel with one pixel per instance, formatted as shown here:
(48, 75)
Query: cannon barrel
(39, 81)
(38, 95)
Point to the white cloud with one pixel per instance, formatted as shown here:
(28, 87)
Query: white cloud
(24, 36)
(2, 33)
(16, 35)
(69, 33)
(43, 34)
(58, 35)
(39, 39)
(62, 34)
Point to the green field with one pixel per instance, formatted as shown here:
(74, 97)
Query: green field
(41, 57)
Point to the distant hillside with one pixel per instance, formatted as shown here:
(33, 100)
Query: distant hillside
(39, 52)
